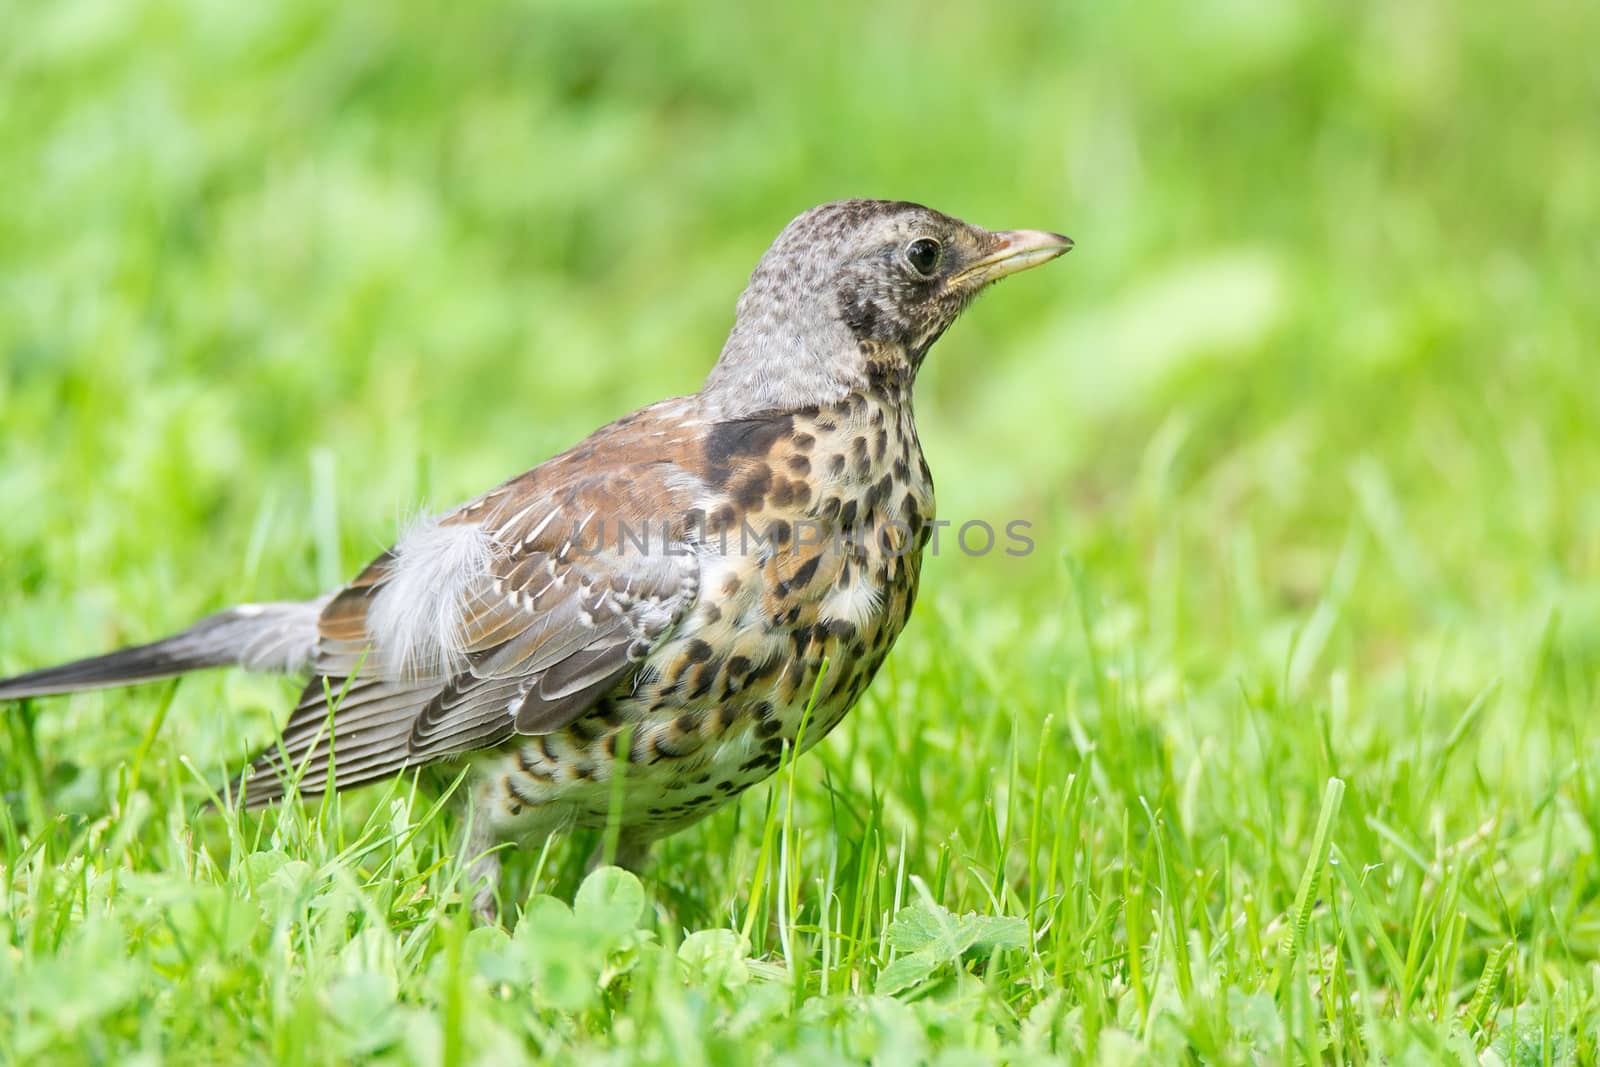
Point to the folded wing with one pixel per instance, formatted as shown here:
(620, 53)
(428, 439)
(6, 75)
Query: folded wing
(555, 621)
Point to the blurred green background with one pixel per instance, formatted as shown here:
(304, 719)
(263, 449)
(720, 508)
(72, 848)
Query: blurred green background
(1310, 412)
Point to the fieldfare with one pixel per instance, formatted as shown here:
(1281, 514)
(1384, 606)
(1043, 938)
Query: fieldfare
(673, 601)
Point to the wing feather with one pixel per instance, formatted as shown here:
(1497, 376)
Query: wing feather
(544, 635)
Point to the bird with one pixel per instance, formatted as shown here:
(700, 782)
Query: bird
(651, 619)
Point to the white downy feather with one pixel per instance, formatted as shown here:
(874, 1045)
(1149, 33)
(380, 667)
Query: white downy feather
(416, 618)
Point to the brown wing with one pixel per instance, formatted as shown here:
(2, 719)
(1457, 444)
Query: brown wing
(557, 622)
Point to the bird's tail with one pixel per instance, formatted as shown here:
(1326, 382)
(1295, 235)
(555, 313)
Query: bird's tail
(278, 638)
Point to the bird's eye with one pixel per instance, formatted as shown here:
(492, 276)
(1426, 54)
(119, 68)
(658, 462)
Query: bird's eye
(923, 255)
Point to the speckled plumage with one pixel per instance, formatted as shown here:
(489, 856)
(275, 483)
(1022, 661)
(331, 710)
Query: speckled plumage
(660, 600)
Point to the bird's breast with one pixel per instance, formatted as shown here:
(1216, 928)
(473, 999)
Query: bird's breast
(810, 555)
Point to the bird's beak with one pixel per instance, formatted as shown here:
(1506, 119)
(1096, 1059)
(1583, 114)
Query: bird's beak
(1012, 251)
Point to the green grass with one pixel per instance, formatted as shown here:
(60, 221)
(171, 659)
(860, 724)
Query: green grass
(1282, 747)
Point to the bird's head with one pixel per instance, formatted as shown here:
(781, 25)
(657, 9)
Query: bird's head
(855, 290)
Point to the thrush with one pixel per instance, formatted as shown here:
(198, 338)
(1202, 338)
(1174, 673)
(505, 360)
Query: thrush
(651, 618)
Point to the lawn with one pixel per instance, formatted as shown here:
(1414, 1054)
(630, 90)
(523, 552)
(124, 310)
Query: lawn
(1283, 745)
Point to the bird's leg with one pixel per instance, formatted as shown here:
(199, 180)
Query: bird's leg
(483, 874)
(633, 849)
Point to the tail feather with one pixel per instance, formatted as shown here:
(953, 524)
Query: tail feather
(276, 638)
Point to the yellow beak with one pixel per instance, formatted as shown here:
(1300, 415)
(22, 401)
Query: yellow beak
(1013, 251)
